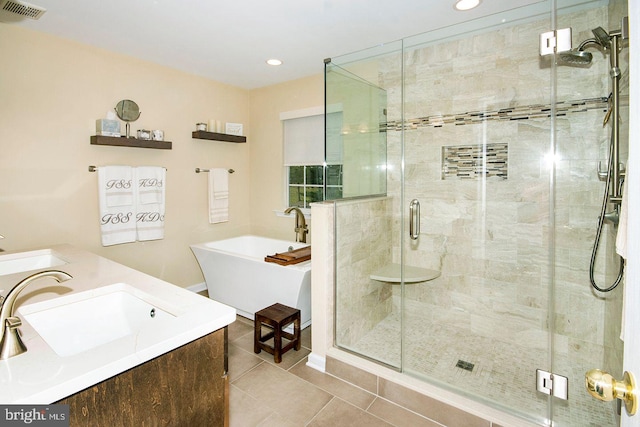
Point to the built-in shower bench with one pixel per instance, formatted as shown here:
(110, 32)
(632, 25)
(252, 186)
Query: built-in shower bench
(392, 273)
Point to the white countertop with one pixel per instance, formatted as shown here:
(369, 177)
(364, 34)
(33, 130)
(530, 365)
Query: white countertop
(40, 376)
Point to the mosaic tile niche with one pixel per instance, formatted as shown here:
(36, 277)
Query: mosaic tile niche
(475, 161)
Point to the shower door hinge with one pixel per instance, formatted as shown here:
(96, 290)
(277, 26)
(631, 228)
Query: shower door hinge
(552, 384)
(555, 41)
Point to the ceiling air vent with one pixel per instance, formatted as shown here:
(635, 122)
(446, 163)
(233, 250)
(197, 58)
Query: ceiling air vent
(21, 8)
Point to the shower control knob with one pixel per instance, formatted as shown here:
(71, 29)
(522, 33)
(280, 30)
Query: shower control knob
(603, 386)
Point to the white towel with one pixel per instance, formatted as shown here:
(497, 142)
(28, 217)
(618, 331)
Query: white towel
(621, 242)
(218, 195)
(150, 205)
(116, 202)
(621, 237)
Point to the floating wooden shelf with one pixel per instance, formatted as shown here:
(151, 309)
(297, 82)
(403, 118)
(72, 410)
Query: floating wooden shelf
(129, 142)
(214, 136)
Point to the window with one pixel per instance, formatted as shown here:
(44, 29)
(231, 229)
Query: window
(304, 159)
(334, 182)
(306, 185)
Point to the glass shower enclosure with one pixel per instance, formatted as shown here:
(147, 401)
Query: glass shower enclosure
(471, 198)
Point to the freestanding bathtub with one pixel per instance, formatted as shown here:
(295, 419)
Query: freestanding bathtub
(237, 275)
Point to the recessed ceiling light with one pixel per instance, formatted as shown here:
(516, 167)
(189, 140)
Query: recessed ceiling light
(466, 4)
(274, 61)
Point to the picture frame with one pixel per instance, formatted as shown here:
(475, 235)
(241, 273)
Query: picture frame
(233, 129)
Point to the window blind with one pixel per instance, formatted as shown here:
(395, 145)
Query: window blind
(304, 141)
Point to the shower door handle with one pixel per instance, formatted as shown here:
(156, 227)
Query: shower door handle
(414, 219)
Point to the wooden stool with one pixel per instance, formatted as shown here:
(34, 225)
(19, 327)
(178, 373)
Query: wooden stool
(277, 317)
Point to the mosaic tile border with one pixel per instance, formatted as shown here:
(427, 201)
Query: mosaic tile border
(526, 112)
(475, 161)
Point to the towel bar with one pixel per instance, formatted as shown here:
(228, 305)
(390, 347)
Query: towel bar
(198, 170)
(93, 168)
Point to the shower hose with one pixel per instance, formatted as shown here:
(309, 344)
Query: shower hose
(601, 219)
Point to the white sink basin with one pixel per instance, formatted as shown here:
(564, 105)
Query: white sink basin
(27, 261)
(76, 323)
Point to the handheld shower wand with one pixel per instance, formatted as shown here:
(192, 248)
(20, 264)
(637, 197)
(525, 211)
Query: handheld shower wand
(614, 181)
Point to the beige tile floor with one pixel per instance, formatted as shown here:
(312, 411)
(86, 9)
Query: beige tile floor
(263, 393)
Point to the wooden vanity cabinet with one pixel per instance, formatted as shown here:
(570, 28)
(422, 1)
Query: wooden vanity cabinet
(185, 387)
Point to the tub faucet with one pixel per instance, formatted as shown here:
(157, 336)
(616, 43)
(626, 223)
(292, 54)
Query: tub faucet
(301, 225)
(10, 342)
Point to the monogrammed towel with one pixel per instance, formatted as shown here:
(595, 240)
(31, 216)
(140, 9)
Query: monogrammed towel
(116, 202)
(150, 206)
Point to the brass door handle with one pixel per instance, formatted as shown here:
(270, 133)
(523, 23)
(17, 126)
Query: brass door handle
(603, 386)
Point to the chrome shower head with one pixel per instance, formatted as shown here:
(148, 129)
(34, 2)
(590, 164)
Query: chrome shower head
(602, 37)
(574, 57)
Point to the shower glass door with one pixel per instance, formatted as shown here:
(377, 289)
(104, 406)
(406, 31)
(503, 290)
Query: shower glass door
(501, 148)
(477, 136)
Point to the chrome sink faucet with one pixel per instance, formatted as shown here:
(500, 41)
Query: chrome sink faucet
(10, 342)
(301, 225)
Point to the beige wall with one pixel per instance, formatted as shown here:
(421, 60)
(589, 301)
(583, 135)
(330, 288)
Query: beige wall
(52, 91)
(267, 172)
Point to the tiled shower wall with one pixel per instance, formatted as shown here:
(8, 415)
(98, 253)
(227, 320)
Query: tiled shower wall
(364, 230)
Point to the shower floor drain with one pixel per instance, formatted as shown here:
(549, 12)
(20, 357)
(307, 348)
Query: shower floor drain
(467, 366)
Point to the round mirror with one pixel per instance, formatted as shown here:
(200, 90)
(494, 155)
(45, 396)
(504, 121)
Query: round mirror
(127, 110)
